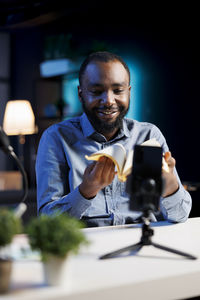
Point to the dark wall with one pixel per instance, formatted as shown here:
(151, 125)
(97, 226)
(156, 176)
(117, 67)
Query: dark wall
(170, 76)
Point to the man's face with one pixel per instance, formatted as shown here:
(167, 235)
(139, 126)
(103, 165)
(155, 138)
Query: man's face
(105, 94)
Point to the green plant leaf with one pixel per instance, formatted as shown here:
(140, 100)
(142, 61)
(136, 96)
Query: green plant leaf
(55, 235)
(9, 226)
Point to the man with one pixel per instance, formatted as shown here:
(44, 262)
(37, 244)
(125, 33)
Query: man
(67, 182)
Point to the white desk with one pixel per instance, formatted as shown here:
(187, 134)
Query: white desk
(151, 274)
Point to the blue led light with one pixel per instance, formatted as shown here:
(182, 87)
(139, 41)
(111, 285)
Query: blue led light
(135, 98)
(70, 96)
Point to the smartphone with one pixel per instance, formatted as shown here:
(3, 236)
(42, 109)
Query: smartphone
(145, 185)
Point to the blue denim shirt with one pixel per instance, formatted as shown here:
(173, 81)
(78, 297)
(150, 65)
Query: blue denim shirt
(61, 163)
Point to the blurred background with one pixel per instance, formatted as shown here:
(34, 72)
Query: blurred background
(42, 44)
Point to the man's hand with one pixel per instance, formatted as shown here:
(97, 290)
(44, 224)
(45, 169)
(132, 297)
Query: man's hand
(96, 176)
(170, 180)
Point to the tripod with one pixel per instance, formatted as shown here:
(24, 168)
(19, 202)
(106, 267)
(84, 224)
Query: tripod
(145, 240)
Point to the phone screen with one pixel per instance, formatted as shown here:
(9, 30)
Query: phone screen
(145, 183)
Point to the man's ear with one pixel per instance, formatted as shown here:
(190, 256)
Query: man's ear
(129, 91)
(80, 93)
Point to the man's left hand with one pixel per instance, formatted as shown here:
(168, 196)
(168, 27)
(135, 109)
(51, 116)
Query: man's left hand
(170, 181)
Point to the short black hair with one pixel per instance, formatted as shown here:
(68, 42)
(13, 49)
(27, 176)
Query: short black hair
(102, 56)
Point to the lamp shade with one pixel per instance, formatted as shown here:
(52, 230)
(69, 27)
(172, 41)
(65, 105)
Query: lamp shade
(19, 118)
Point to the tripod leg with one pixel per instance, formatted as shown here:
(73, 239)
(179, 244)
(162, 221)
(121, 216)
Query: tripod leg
(134, 248)
(187, 255)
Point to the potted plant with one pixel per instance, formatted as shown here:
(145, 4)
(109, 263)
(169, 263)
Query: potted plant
(10, 225)
(56, 237)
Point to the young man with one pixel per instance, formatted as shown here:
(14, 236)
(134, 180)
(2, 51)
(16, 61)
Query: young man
(90, 191)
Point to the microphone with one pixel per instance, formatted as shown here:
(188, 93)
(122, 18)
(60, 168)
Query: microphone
(8, 149)
(4, 142)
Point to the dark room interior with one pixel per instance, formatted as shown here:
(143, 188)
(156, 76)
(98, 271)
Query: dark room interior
(160, 44)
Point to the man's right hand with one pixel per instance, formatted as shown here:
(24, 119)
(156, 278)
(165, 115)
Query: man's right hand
(96, 176)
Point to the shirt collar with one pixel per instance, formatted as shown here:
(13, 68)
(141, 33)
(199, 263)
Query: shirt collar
(125, 131)
(88, 129)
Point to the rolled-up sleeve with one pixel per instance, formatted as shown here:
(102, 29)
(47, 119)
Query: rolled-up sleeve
(177, 207)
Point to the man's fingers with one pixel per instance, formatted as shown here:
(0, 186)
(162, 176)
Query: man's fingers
(167, 155)
(98, 170)
(109, 171)
(104, 169)
(171, 184)
(90, 167)
(169, 159)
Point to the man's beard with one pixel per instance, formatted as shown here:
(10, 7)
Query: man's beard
(103, 126)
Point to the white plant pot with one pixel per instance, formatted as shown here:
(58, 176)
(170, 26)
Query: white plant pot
(56, 271)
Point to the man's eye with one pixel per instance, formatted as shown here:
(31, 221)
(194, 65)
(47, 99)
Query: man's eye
(95, 92)
(118, 91)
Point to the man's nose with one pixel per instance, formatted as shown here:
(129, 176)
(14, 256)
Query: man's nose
(108, 98)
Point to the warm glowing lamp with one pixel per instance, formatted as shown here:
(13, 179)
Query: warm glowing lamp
(19, 119)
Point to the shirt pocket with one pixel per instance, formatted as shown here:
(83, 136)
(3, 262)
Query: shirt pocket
(122, 188)
(122, 196)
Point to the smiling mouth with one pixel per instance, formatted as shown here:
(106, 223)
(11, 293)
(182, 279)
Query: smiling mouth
(107, 114)
(107, 111)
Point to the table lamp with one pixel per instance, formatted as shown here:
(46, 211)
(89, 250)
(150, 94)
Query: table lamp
(19, 120)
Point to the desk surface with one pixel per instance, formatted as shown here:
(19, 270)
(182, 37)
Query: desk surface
(151, 274)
